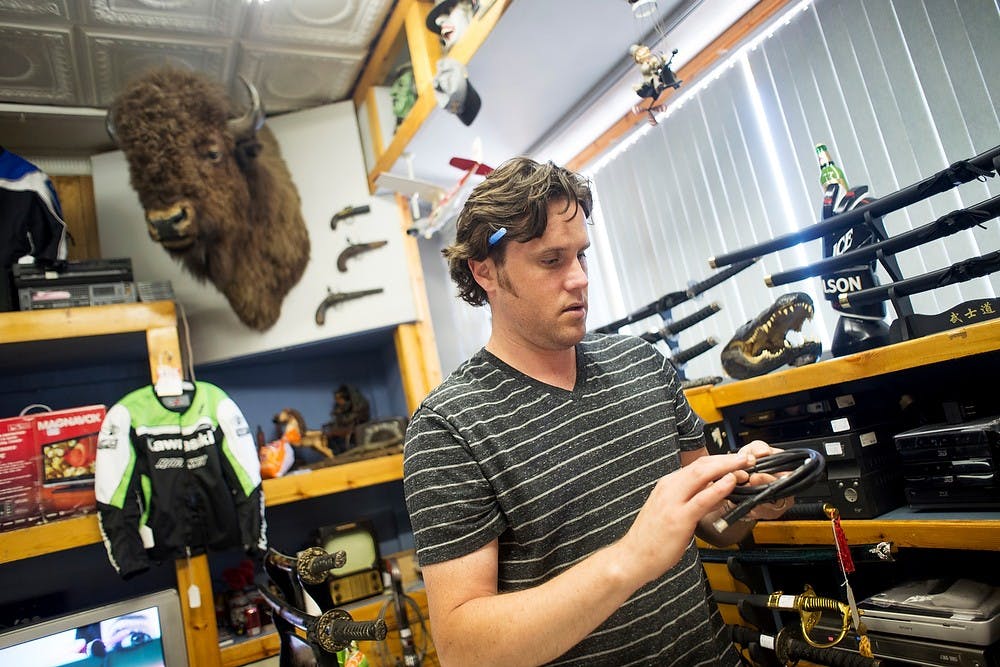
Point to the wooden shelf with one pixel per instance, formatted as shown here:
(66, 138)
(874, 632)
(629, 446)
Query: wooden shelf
(44, 538)
(424, 52)
(61, 323)
(959, 533)
(157, 320)
(26, 333)
(953, 344)
(246, 651)
(83, 530)
(333, 479)
(904, 528)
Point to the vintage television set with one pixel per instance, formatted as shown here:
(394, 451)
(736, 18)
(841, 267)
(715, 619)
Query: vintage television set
(361, 576)
(143, 631)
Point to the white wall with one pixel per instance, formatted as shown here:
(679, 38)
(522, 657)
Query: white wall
(323, 151)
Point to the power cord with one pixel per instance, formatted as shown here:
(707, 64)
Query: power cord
(186, 352)
(804, 468)
(385, 656)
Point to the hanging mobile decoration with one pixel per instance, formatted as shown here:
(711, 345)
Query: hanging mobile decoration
(656, 73)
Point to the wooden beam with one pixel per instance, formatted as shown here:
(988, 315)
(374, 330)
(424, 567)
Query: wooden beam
(981, 338)
(698, 65)
(426, 102)
(374, 122)
(416, 345)
(49, 537)
(164, 351)
(57, 323)
(384, 53)
(425, 49)
(76, 197)
(980, 535)
(701, 400)
(200, 630)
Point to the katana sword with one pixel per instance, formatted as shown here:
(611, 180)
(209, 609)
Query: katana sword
(675, 327)
(307, 571)
(681, 357)
(946, 225)
(332, 631)
(668, 301)
(982, 165)
(790, 650)
(960, 272)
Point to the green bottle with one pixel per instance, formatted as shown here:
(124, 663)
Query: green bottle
(829, 172)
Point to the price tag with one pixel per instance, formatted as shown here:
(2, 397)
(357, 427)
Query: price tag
(168, 381)
(194, 596)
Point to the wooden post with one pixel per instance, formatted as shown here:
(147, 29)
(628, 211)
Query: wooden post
(416, 347)
(201, 633)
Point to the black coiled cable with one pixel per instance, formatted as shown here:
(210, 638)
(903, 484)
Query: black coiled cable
(804, 468)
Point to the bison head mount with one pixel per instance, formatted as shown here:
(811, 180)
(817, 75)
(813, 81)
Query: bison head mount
(216, 191)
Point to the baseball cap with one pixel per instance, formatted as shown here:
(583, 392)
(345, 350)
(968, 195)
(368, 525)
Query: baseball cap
(453, 91)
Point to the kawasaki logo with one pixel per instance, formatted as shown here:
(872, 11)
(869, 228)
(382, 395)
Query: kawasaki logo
(188, 444)
(75, 420)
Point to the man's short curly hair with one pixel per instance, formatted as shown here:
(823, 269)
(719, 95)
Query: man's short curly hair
(514, 196)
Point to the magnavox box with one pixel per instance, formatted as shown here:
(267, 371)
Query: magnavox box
(19, 477)
(66, 443)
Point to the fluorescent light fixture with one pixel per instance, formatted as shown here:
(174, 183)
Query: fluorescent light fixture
(642, 9)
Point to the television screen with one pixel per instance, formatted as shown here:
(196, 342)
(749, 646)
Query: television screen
(71, 460)
(145, 631)
(358, 540)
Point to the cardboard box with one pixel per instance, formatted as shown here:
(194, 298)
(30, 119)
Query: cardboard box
(47, 463)
(19, 474)
(66, 443)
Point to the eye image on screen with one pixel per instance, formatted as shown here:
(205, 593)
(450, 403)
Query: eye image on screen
(131, 639)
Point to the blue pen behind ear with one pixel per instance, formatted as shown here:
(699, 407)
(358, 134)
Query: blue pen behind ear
(496, 236)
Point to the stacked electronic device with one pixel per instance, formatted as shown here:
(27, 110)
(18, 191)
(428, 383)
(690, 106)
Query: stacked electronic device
(950, 621)
(952, 466)
(85, 282)
(74, 283)
(854, 433)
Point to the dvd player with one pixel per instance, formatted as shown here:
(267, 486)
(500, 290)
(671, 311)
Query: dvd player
(954, 611)
(912, 650)
(74, 283)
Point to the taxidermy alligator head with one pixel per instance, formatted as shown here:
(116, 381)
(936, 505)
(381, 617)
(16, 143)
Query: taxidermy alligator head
(760, 346)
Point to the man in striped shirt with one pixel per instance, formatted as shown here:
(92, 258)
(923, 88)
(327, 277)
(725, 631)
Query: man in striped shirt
(556, 479)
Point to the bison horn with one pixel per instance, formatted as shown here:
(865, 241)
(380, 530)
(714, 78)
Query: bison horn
(253, 119)
(109, 125)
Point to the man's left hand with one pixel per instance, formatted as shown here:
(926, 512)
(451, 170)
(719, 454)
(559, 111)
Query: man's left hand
(759, 449)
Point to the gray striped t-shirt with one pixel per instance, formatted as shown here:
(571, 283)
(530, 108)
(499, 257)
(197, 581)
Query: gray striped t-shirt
(555, 475)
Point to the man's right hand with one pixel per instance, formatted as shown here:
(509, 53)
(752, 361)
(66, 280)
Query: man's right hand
(666, 523)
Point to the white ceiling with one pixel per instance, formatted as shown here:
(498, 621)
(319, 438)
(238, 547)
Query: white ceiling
(552, 75)
(63, 61)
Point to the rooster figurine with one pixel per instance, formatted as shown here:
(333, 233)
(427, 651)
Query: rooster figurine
(277, 456)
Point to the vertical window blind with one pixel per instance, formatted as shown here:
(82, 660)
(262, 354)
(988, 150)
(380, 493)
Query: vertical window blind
(897, 89)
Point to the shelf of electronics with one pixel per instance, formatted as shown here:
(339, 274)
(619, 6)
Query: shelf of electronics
(903, 527)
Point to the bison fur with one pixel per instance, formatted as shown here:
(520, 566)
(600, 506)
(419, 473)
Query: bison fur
(216, 191)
